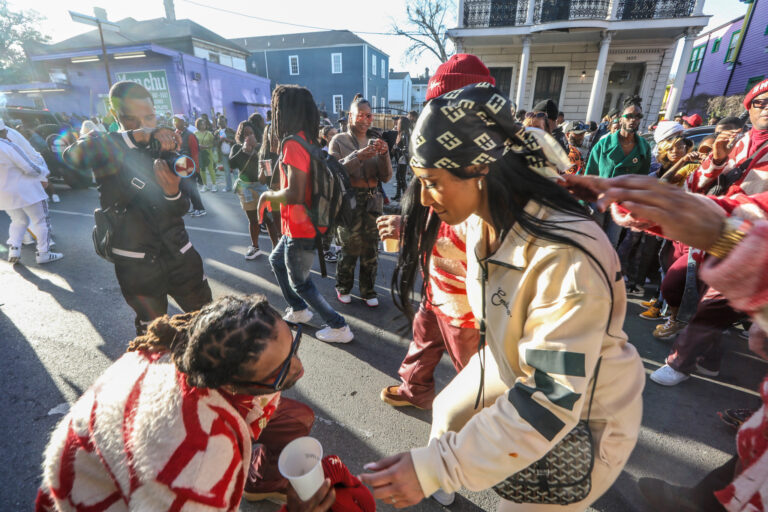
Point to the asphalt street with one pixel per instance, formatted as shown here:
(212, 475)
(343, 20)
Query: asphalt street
(63, 323)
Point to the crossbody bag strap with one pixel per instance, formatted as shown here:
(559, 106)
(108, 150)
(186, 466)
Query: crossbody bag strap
(594, 385)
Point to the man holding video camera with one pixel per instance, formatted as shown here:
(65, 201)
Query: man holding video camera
(139, 226)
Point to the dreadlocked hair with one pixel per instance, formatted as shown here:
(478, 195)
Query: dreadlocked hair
(633, 101)
(210, 346)
(511, 184)
(294, 111)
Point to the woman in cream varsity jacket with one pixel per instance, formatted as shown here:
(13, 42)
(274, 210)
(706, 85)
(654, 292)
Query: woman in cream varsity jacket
(548, 284)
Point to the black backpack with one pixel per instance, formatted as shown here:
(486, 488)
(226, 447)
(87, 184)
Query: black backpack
(333, 199)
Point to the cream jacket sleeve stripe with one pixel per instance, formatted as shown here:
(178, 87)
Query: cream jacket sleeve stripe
(521, 396)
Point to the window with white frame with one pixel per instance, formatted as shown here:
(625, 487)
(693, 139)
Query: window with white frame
(383, 104)
(293, 64)
(335, 63)
(338, 103)
(373, 64)
(373, 102)
(383, 69)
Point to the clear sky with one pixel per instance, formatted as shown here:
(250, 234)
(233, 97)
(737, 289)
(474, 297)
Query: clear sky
(356, 15)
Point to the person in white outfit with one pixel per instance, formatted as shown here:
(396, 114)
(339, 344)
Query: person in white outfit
(22, 195)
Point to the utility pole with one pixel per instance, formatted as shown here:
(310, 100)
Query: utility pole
(99, 21)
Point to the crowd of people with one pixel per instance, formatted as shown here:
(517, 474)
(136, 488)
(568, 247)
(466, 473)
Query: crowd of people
(523, 232)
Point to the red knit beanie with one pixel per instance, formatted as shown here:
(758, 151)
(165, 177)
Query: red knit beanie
(460, 70)
(756, 91)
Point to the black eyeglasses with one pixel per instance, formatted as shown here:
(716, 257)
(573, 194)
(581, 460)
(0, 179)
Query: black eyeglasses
(761, 103)
(633, 116)
(282, 371)
(537, 115)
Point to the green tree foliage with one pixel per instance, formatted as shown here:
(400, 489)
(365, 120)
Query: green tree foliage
(16, 30)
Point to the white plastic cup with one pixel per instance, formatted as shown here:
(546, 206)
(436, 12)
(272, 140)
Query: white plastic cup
(391, 245)
(301, 463)
(266, 166)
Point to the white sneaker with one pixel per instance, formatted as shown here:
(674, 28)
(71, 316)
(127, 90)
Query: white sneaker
(253, 252)
(344, 298)
(203, 188)
(28, 239)
(214, 189)
(668, 376)
(372, 302)
(47, 257)
(330, 335)
(298, 317)
(14, 254)
(444, 498)
(55, 198)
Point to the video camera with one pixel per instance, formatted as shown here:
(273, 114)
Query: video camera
(182, 165)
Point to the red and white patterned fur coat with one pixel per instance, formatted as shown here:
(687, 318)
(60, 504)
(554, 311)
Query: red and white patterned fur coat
(141, 438)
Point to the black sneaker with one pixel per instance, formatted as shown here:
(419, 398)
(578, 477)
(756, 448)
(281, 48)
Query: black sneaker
(331, 257)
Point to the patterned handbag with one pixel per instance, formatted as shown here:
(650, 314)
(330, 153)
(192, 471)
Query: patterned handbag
(563, 475)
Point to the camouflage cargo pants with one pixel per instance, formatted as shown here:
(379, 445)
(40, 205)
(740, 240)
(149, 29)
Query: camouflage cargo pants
(360, 240)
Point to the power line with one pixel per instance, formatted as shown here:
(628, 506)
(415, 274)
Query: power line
(281, 22)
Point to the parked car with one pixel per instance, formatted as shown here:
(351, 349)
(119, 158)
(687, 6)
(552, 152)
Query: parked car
(57, 137)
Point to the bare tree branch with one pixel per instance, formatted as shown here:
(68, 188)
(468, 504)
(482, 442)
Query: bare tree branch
(428, 32)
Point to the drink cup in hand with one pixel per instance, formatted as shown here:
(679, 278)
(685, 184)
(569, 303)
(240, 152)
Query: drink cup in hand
(266, 167)
(301, 463)
(391, 245)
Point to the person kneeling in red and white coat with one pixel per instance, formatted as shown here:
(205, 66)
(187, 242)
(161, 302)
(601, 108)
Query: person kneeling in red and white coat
(169, 425)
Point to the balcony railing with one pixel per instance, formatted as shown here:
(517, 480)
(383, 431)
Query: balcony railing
(510, 13)
(547, 11)
(651, 9)
(495, 13)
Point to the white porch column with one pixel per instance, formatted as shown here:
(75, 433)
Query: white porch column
(682, 67)
(698, 8)
(525, 58)
(595, 101)
(529, 13)
(613, 9)
(460, 17)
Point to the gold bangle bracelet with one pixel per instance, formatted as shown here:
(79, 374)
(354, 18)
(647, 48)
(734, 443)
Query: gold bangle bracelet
(732, 232)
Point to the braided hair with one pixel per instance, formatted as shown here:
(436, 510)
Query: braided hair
(633, 101)
(294, 110)
(210, 346)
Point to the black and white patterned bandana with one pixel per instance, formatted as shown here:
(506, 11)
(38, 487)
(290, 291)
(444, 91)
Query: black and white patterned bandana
(474, 126)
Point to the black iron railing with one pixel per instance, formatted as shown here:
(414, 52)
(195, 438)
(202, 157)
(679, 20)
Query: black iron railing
(547, 11)
(495, 13)
(651, 9)
(510, 13)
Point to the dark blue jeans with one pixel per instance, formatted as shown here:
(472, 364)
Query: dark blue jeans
(291, 261)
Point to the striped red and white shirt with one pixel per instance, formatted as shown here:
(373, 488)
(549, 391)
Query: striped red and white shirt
(141, 438)
(447, 291)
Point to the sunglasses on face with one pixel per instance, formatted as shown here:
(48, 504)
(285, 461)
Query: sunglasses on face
(281, 373)
(760, 104)
(537, 115)
(632, 116)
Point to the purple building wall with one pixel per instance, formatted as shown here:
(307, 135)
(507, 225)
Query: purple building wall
(713, 76)
(753, 56)
(219, 88)
(713, 73)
